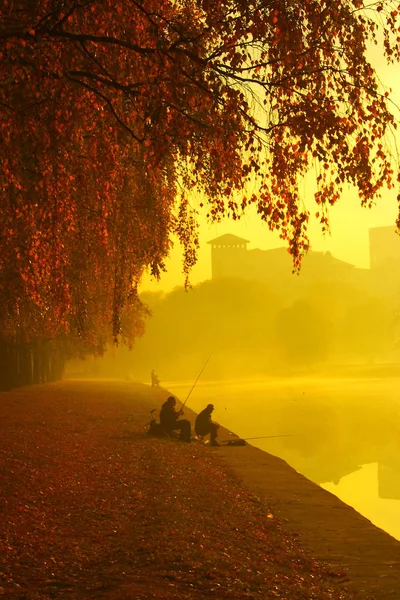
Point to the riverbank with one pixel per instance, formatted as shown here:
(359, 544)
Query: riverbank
(332, 531)
(93, 508)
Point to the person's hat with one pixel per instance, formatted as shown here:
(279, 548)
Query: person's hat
(211, 406)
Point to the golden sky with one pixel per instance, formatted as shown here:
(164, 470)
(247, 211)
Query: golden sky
(349, 222)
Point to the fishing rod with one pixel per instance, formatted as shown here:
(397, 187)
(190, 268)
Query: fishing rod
(265, 437)
(198, 377)
(152, 419)
(237, 441)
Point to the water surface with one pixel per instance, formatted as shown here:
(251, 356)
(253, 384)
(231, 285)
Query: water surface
(343, 434)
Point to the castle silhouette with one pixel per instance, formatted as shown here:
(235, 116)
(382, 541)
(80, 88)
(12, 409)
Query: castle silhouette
(230, 258)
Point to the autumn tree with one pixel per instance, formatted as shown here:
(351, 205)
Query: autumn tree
(367, 330)
(231, 319)
(302, 335)
(113, 111)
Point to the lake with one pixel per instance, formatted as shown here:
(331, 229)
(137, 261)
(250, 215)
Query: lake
(343, 434)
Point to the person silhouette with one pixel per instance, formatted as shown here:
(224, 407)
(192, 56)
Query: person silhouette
(170, 422)
(204, 425)
(155, 382)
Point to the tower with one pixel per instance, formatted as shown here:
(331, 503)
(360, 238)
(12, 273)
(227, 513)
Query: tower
(384, 246)
(228, 256)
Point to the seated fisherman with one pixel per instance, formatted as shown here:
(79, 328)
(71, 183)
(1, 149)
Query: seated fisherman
(205, 425)
(169, 420)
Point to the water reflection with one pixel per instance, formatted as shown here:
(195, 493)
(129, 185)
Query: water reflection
(389, 475)
(362, 490)
(343, 434)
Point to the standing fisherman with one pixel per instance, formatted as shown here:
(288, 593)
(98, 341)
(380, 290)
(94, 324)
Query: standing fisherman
(155, 382)
(204, 425)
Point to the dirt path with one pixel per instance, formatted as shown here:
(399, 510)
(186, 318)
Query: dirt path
(91, 507)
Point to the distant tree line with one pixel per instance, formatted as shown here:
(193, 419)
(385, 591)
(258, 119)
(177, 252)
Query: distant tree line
(253, 330)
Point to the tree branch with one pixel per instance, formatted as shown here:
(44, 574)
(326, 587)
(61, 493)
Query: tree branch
(109, 104)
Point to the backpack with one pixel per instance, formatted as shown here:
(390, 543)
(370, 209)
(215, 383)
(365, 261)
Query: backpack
(155, 429)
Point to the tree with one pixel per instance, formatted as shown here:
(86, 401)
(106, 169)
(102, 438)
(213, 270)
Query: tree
(112, 111)
(367, 330)
(303, 334)
(230, 319)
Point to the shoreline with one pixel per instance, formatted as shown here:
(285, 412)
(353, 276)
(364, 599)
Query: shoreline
(332, 531)
(283, 530)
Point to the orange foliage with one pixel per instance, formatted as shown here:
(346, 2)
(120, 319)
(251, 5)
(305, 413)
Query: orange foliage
(107, 106)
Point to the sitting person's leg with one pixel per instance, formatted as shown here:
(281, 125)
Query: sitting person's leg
(185, 430)
(211, 429)
(213, 435)
(203, 430)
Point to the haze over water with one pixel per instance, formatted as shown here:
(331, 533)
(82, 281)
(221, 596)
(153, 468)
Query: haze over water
(314, 359)
(344, 428)
(344, 433)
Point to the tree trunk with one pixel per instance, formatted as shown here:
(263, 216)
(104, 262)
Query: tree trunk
(7, 365)
(24, 364)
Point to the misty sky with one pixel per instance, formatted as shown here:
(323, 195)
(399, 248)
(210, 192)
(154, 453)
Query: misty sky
(349, 222)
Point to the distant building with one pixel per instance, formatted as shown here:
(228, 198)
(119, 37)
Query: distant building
(384, 246)
(231, 258)
(228, 256)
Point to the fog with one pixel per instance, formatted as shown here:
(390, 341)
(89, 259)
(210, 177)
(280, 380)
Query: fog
(254, 331)
(312, 360)
(341, 432)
